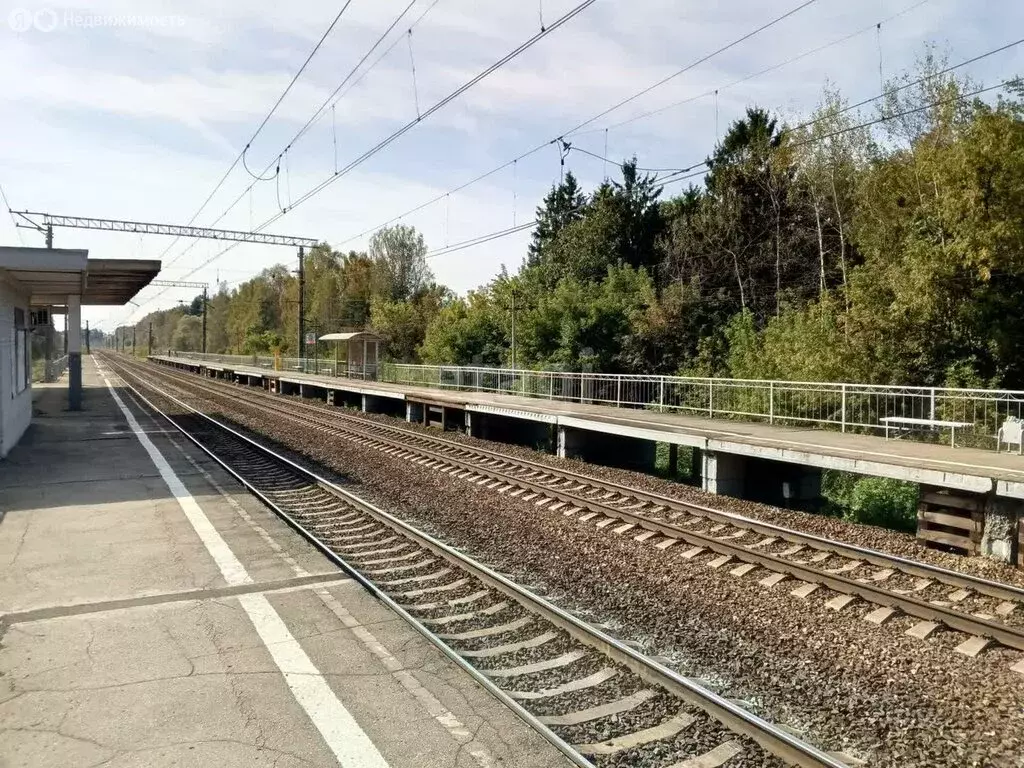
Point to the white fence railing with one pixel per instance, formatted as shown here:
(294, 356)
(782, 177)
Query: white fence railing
(319, 367)
(848, 407)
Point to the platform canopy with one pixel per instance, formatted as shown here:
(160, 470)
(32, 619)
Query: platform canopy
(51, 275)
(352, 336)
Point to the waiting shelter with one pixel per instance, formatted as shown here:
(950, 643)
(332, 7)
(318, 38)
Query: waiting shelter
(35, 282)
(361, 350)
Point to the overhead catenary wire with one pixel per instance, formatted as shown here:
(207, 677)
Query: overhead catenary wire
(560, 136)
(14, 221)
(692, 65)
(759, 73)
(690, 173)
(275, 163)
(539, 147)
(384, 143)
(262, 124)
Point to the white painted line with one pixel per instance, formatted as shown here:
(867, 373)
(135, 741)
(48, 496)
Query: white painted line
(233, 571)
(406, 679)
(340, 731)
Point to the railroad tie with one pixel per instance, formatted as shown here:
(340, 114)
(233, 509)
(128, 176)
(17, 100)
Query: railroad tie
(717, 757)
(665, 730)
(616, 707)
(839, 602)
(804, 590)
(923, 629)
(1005, 608)
(973, 646)
(743, 570)
(772, 579)
(880, 615)
(580, 684)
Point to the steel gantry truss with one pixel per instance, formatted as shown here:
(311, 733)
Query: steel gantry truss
(45, 222)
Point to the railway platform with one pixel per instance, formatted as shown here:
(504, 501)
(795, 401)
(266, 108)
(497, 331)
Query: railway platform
(155, 614)
(774, 463)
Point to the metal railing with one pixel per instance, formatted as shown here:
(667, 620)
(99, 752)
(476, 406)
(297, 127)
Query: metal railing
(845, 406)
(309, 365)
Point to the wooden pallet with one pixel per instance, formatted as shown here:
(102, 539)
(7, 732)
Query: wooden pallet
(951, 521)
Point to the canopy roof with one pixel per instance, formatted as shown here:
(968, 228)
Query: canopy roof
(352, 336)
(50, 275)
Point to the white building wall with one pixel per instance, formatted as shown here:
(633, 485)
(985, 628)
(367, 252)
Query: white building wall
(15, 410)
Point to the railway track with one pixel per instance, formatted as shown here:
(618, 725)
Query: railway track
(593, 697)
(984, 610)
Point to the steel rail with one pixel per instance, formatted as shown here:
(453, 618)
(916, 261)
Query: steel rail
(1006, 635)
(325, 549)
(773, 738)
(984, 586)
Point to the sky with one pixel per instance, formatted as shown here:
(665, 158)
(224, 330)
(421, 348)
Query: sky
(135, 109)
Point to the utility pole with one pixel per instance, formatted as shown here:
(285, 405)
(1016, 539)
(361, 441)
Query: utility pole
(204, 319)
(513, 329)
(133, 340)
(49, 235)
(65, 332)
(150, 348)
(302, 305)
(87, 350)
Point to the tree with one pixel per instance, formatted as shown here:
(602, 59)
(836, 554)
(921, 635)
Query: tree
(563, 205)
(399, 261)
(466, 332)
(188, 334)
(640, 216)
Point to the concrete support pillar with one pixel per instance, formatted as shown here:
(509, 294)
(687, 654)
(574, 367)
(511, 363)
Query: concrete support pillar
(330, 397)
(723, 473)
(606, 449)
(564, 445)
(444, 419)
(74, 341)
(365, 403)
(1001, 537)
(673, 459)
(471, 423)
(803, 486)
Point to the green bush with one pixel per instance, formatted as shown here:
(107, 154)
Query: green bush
(870, 500)
(884, 502)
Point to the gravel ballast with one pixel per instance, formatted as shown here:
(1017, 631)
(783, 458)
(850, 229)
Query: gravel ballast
(847, 684)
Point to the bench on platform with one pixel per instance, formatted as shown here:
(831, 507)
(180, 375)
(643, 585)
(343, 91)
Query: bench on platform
(906, 424)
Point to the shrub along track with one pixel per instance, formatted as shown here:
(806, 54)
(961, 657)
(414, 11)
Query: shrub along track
(801, 662)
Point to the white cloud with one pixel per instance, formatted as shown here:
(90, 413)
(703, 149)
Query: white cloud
(141, 122)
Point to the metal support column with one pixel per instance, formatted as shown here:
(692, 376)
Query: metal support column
(150, 347)
(302, 305)
(74, 341)
(205, 303)
(88, 351)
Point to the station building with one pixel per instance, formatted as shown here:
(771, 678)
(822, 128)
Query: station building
(38, 282)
